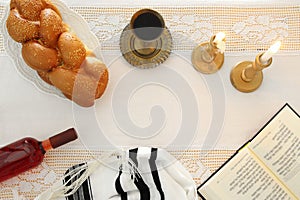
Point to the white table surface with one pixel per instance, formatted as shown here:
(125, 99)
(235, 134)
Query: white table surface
(25, 110)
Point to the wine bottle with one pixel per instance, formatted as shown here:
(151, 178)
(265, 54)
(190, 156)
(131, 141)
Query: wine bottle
(28, 153)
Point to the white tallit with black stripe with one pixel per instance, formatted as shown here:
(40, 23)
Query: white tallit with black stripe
(156, 175)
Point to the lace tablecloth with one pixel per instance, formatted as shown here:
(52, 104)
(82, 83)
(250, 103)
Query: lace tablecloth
(30, 184)
(250, 29)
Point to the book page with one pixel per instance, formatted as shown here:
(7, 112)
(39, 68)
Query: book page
(243, 178)
(278, 147)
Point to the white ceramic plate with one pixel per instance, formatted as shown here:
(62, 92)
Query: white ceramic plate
(77, 24)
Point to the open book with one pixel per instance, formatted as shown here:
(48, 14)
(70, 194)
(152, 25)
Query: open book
(265, 168)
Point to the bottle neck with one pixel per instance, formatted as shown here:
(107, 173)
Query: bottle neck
(58, 140)
(46, 145)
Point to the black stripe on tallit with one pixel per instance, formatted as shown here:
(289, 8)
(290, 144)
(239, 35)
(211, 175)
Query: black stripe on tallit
(90, 188)
(138, 181)
(119, 188)
(84, 192)
(66, 180)
(85, 188)
(154, 172)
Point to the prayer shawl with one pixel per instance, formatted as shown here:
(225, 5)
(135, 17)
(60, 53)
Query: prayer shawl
(141, 174)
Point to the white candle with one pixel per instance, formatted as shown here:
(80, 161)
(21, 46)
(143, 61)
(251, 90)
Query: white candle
(220, 41)
(270, 52)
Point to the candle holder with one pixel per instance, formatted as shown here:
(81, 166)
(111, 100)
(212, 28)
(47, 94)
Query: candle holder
(146, 42)
(207, 57)
(247, 76)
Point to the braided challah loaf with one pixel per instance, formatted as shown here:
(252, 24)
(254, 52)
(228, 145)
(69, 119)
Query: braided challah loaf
(59, 56)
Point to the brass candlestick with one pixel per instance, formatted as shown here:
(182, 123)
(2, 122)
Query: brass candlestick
(146, 42)
(207, 57)
(247, 76)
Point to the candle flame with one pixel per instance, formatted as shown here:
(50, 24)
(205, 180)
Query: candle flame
(275, 47)
(219, 36)
(220, 41)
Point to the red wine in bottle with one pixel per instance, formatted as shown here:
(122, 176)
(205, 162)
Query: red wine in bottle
(28, 153)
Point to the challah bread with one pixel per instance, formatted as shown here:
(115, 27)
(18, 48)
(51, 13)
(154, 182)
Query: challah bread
(87, 83)
(93, 67)
(45, 76)
(51, 27)
(38, 56)
(80, 87)
(60, 58)
(72, 50)
(29, 9)
(20, 29)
